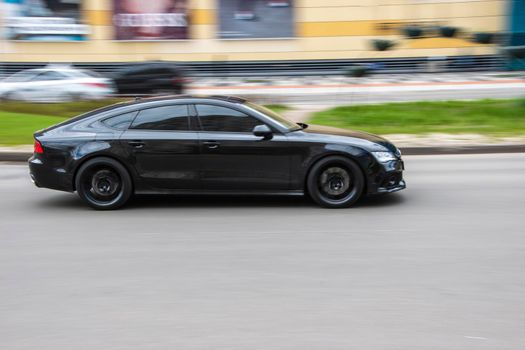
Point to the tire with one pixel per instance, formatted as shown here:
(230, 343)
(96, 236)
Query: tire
(335, 182)
(161, 92)
(178, 90)
(103, 183)
(11, 97)
(72, 97)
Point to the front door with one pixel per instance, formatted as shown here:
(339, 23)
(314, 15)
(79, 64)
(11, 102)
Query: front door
(163, 149)
(232, 158)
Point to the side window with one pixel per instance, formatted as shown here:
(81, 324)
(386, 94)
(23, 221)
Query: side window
(163, 118)
(216, 118)
(161, 72)
(49, 75)
(121, 122)
(21, 76)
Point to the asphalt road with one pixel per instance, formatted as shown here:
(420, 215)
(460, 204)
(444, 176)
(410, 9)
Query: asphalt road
(438, 266)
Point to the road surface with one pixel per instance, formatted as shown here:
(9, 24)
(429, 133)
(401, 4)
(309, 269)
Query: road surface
(438, 266)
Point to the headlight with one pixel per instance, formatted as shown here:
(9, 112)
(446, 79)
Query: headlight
(383, 157)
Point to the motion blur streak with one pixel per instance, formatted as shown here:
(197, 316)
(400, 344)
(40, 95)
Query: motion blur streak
(439, 266)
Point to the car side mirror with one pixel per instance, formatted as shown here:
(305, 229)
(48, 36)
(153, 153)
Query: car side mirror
(263, 131)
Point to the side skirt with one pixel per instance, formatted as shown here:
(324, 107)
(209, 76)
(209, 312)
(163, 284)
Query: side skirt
(223, 192)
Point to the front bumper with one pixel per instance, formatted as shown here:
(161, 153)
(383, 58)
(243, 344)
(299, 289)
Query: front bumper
(386, 177)
(398, 187)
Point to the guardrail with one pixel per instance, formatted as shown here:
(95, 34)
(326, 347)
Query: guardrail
(301, 67)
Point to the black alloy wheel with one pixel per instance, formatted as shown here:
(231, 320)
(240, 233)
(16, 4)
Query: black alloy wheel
(103, 183)
(335, 182)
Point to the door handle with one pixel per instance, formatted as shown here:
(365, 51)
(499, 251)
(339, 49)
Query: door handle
(136, 144)
(211, 144)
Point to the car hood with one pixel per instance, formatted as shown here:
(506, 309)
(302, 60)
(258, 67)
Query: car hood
(360, 135)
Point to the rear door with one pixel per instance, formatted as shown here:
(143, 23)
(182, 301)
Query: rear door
(162, 148)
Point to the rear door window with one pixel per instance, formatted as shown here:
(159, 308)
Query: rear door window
(173, 118)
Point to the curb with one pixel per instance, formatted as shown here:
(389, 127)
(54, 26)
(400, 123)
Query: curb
(14, 156)
(478, 149)
(409, 151)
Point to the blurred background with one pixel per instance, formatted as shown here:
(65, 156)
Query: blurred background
(302, 57)
(106, 34)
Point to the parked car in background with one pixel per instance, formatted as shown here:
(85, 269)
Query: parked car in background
(150, 78)
(55, 84)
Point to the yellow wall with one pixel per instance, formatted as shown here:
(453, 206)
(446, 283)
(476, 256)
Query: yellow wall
(325, 29)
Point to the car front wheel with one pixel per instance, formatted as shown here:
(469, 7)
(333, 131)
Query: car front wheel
(335, 182)
(103, 183)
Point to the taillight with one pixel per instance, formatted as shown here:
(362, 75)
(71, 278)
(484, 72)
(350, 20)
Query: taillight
(180, 80)
(38, 147)
(99, 85)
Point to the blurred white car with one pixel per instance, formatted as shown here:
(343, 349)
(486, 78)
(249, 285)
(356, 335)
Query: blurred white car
(55, 84)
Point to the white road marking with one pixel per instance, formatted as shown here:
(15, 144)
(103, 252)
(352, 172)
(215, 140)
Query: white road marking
(471, 337)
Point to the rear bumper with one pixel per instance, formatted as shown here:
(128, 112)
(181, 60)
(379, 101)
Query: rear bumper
(44, 176)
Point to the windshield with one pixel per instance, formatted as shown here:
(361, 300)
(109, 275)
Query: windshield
(90, 73)
(75, 73)
(291, 126)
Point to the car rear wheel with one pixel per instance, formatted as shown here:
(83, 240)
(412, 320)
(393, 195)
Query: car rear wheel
(12, 96)
(335, 182)
(104, 183)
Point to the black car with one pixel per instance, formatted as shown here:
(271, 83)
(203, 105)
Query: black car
(209, 145)
(150, 78)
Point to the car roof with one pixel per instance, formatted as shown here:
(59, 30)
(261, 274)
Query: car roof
(53, 69)
(136, 104)
(146, 66)
(141, 100)
(233, 99)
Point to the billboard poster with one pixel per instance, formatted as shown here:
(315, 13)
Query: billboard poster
(150, 19)
(250, 19)
(44, 20)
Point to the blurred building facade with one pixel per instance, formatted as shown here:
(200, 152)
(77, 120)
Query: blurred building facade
(233, 30)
